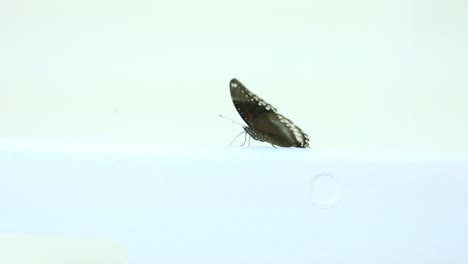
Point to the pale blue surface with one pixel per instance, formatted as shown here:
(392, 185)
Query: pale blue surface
(193, 204)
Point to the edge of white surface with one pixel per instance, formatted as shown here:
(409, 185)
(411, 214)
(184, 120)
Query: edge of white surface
(193, 150)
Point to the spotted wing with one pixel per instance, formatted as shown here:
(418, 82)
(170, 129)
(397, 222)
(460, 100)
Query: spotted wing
(264, 120)
(249, 106)
(280, 131)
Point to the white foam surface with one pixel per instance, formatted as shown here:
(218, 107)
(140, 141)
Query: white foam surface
(208, 204)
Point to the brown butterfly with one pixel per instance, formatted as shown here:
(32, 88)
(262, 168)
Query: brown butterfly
(264, 123)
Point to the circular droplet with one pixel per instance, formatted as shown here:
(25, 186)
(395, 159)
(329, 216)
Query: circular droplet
(326, 190)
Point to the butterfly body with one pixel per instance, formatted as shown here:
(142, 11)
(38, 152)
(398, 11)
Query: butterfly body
(264, 123)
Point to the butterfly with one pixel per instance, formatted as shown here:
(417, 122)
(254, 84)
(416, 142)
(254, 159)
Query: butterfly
(263, 121)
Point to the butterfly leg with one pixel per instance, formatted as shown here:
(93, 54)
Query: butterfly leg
(236, 138)
(273, 145)
(245, 139)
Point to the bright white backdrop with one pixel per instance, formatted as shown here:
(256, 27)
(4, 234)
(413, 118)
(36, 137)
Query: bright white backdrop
(384, 75)
(353, 74)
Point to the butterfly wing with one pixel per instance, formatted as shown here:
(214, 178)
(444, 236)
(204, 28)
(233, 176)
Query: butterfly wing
(263, 119)
(249, 106)
(280, 131)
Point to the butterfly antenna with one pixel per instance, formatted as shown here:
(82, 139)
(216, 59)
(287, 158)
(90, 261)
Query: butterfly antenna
(232, 120)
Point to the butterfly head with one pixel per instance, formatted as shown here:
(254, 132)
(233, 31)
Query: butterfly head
(254, 134)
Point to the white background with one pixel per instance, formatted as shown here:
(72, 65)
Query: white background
(386, 75)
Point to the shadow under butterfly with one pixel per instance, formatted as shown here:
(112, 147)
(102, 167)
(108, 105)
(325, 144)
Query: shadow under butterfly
(263, 122)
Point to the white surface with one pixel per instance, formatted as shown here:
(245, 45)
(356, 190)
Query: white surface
(189, 204)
